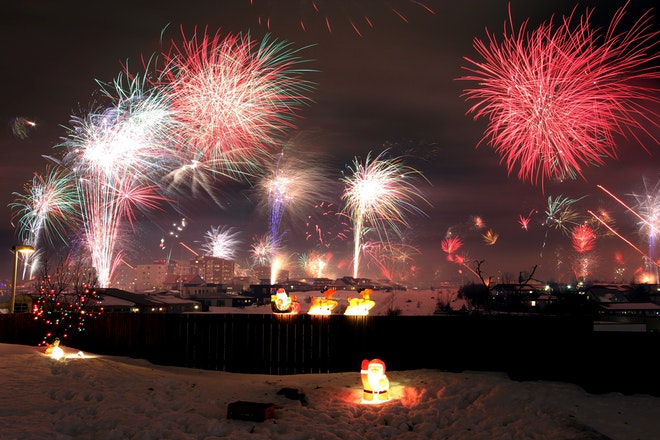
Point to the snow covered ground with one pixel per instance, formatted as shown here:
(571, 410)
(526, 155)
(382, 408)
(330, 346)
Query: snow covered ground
(99, 397)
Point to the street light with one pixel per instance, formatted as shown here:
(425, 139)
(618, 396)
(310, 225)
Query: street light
(18, 249)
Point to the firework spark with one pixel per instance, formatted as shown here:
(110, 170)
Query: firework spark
(326, 226)
(331, 14)
(556, 96)
(378, 195)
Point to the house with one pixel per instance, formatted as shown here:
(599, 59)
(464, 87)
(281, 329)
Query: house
(116, 300)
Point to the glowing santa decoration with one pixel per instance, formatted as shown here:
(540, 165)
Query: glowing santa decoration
(375, 384)
(281, 302)
(324, 305)
(360, 306)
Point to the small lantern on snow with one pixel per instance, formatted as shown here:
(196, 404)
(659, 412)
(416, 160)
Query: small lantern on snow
(54, 350)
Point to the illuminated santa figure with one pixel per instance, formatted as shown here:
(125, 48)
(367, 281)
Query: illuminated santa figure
(375, 384)
(283, 303)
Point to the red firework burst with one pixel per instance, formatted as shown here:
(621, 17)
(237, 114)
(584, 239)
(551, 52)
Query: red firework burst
(556, 96)
(583, 238)
(451, 244)
(233, 97)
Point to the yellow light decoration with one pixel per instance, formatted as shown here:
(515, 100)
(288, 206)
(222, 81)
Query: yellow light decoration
(281, 302)
(360, 306)
(375, 384)
(54, 350)
(325, 305)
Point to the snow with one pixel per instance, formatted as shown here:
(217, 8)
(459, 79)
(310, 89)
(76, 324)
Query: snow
(86, 396)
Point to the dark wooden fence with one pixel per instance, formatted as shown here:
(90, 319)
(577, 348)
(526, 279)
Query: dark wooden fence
(525, 347)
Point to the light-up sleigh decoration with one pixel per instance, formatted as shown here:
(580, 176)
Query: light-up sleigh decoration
(375, 384)
(360, 306)
(323, 305)
(282, 303)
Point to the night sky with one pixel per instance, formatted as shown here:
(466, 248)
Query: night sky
(393, 87)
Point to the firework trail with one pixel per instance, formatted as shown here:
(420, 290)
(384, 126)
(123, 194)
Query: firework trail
(378, 194)
(294, 185)
(49, 208)
(556, 96)
(391, 259)
(221, 242)
(625, 240)
(648, 212)
(21, 127)
(330, 13)
(112, 154)
(233, 97)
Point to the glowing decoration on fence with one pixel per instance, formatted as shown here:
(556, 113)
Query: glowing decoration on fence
(375, 384)
(325, 305)
(281, 302)
(360, 306)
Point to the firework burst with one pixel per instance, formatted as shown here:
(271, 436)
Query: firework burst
(294, 185)
(451, 245)
(221, 242)
(233, 97)
(21, 127)
(112, 156)
(378, 195)
(262, 250)
(556, 96)
(49, 208)
(583, 238)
